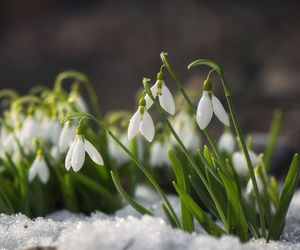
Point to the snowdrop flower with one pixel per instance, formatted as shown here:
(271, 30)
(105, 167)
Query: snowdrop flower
(240, 164)
(76, 154)
(158, 154)
(30, 129)
(185, 128)
(141, 122)
(51, 130)
(116, 152)
(66, 137)
(250, 188)
(39, 168)
(80, 104)
(226, 142)
(164, 95)
(208, 105)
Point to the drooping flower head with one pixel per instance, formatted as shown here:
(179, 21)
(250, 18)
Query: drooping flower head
(165, 97)
(208, 105)
(39, 168)
(226, 142)
(259, 182)
(240, 164)
(186, 129)
(76, 154)
(66, 137)
(141, 122)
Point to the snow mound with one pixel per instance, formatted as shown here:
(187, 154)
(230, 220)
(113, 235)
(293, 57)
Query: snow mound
(128, 230)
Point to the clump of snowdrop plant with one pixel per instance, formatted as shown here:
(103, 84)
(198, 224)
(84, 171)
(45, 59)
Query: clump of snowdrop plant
(224, 186)
(39, 155)
(222, 183)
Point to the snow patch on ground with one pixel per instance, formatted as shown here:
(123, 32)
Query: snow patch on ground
(129, 230)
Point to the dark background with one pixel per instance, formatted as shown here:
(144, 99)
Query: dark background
(117, 43)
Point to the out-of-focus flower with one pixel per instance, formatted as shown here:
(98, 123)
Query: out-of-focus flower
(240, 164)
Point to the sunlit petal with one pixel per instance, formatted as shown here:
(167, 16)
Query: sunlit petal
(93, 152)
(69, 155)
(78, 155)
(220, 111)
(147, 127)
(148, 100)
(166, 100)
(134, 125)
(204, 111)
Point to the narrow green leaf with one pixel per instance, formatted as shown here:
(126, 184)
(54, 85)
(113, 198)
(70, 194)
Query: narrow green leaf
(273, 134)
(207, 223)
(187, 218)
(69, 194)
(92, 185)
(203, 195)
(168, 215)
(138, 207)
(237, 220)
(287, 193)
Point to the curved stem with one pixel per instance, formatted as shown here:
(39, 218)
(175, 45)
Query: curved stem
(133, 158)
(82, 78)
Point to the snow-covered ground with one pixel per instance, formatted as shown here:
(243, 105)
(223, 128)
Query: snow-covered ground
(128, 230)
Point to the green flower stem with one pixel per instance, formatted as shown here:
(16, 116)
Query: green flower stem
(239, 134)
(84, 79)
(192, 106)
(186, 153)
(133, 158)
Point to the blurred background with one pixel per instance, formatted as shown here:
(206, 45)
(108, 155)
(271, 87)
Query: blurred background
(117, 43)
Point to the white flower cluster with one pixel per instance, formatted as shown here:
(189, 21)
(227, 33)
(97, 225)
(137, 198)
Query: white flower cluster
(32, 121)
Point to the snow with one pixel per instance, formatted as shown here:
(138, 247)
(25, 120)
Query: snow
(128, 230)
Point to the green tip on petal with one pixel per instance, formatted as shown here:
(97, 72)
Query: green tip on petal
(207, 85)
(142, 102)
(160, 76)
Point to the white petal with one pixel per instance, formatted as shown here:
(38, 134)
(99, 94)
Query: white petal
(240, 164)
(43, 172)
(166, 100)
(220, 111)
(78, 155)
(134, 125)
(80, 104)
(226, 142)
(93, 152)
(260, 186)
(33, 170)
(69, 155)
(204, 111)
(149, 101)
(66, 137)
(147, 127)
(253, 158)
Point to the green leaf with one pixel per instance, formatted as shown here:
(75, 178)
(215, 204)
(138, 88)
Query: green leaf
(187, 218)
(69, 193)
(92, 185)
(168, 215)
(203, 195)
(287, 193)
(273, 134)
(207, 223)
(237, 220)
(5, 203)
(138, 207)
